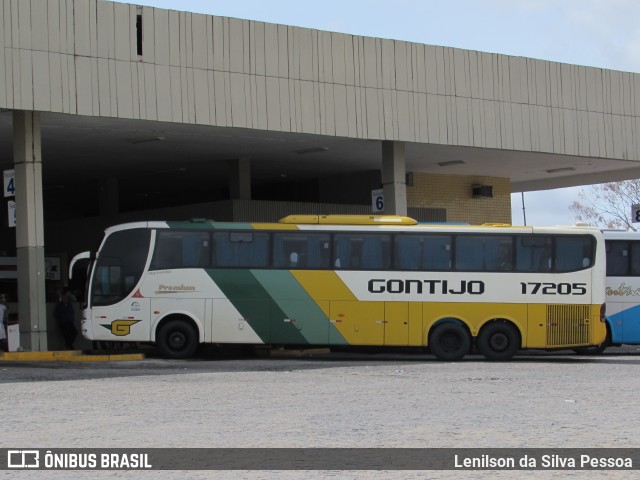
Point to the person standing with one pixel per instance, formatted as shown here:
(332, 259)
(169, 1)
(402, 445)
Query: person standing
(4, 316)
(65, 316)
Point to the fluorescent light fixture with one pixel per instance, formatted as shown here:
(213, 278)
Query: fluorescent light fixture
(451, 163)
(561, 169)
(311, 150)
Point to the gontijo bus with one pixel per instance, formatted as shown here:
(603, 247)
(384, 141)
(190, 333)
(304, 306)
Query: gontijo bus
(347, 280)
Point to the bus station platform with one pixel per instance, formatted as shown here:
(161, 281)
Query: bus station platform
(68, 356)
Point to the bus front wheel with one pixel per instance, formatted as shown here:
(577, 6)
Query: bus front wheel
(177, 339)
(498, 341)
(449, 341)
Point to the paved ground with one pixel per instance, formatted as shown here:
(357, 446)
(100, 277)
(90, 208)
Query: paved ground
(332, 400)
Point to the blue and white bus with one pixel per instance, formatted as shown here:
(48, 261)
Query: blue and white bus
(622, 289)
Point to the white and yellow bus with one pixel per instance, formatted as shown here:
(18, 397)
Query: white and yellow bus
(347, 280)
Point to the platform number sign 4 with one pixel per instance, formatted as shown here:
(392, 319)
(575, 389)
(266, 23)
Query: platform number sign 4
(9, 183)
(635, 213)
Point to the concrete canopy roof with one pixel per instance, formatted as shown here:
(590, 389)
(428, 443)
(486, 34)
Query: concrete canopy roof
(156, 161)
(164, 100)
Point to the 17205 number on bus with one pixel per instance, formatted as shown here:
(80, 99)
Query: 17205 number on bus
(549, 288)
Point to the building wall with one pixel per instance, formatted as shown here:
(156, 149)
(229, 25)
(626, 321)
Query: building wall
(80, 57)
(454, 193)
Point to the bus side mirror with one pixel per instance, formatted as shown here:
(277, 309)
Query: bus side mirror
(77, 258)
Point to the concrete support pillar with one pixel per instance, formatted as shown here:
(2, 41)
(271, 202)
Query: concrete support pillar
(394, 178)
(27, 157)
(109, 201)
(240, 179)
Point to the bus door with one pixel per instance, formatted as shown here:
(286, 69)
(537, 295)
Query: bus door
(403, 324)
(396, 323)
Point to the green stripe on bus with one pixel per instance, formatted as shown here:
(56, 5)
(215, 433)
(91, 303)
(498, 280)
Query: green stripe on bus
(256, 305)
(300, 310)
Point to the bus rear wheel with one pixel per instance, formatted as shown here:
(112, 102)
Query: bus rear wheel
(498, 341)
(449, 341)
(177, 339)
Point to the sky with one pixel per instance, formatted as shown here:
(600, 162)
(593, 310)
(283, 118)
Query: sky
(597, 33)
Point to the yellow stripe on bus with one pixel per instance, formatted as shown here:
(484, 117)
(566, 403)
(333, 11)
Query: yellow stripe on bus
(323, 285)
(274, 226)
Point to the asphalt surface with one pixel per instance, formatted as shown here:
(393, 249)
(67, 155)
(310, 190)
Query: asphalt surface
(325, 400)
(232, 361)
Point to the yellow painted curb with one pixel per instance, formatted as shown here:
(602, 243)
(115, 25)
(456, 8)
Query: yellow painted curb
(66, 356)
(108, 358)
(90, 358)
(36, 356)
(126, 357)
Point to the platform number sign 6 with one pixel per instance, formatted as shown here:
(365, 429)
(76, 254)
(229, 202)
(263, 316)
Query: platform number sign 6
(635, 213)
(9, 183)
(377, 200)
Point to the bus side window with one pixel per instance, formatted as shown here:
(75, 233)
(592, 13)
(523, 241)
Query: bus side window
(408, 250)
(618, 258)
(423, 252)
(242, 249)
(181, 249)
(375, 252)
(534, 254)
(342, 251)
(437, 253)
(489, 253)
(469, 255)
(167, 251)
(195, 249)
(319, 251)
(362, 251)
(301, 250)
(573, 252)
(635, 258)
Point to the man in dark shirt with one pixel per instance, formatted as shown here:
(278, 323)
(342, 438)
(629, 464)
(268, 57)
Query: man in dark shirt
(65, 317)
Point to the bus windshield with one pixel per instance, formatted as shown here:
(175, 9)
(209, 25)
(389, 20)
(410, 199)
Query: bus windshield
(119, 266)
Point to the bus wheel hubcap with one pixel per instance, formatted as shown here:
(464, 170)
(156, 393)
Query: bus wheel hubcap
(450, 342)
(176, 340)
(499, 342)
